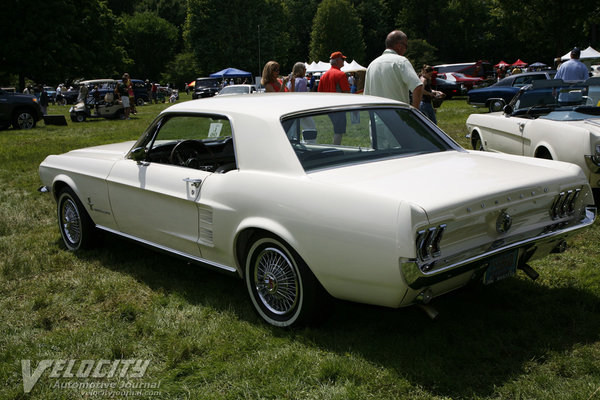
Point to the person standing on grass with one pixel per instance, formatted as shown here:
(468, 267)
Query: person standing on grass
(121, 91)
(391, 75)
(336, 81)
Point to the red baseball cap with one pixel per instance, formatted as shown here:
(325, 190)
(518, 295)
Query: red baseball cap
(337, 54)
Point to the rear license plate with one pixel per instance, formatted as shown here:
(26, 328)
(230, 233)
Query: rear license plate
(501, 266)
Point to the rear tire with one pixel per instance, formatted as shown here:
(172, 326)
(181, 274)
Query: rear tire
(283, 290)
(543, 153)
(75, 225)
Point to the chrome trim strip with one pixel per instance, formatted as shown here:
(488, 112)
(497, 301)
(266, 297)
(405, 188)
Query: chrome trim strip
(170, 250)
(590, 216)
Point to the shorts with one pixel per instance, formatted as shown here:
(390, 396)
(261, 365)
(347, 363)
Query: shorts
(125, 101)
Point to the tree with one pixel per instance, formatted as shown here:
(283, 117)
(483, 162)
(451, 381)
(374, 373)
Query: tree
(232, 34)
(87, 44)
(150, 42)
(182, 69)
(337, 27)
(377, 22)
(300, 16)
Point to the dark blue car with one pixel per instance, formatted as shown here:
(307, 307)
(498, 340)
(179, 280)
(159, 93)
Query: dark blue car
(496, 96)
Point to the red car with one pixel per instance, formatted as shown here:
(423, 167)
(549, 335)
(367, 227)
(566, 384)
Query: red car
(467, 82)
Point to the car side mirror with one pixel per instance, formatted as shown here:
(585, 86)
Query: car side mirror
(508, 109)
(138, 154)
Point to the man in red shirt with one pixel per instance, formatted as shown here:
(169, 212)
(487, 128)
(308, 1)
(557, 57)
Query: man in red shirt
(334, 80)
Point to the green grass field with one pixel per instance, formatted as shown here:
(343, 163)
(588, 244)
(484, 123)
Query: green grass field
(516, 339)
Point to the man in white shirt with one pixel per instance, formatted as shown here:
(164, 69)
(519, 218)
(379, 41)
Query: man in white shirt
(391, 75)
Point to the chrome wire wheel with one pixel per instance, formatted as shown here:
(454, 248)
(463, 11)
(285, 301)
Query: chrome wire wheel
(70, 222)
(283, 290)
(74, 223)
(276, 281)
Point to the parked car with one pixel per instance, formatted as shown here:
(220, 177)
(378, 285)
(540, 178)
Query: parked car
(253, 186)
(237, 89)
(206, 87)
(548, 119)
(51, 94)
(496, 96)
(467, 82)
(449, 88)
(482, 69)
(22, 111)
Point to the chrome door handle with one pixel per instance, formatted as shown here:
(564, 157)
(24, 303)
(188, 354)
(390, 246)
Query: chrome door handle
(195, 182)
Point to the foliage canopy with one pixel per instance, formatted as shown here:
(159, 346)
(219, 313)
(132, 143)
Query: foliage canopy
(65, 40)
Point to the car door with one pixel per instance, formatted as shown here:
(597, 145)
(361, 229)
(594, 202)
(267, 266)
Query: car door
(159, 200)
(505, 135)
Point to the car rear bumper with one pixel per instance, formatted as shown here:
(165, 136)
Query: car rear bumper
(527, 249)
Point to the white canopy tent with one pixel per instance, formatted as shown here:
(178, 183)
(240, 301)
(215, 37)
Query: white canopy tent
(317, 67)
(587, 54)
(353, 67)
(321, 66)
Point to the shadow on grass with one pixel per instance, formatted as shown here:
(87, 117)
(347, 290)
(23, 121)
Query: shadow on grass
(484, 337)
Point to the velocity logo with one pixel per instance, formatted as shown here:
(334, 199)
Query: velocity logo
(83, 369)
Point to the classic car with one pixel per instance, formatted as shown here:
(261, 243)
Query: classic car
(449, 88)
(237, 89)
(482, 69)
(496, 96)
(467, 82)
(547, 119)
(395, 214)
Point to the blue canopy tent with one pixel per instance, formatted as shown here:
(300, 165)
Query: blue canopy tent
(231, 73)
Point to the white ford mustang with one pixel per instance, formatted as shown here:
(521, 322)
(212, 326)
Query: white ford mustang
(549, 119)
(309, 195)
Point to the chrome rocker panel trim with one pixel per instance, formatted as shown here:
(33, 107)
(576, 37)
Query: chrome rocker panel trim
(208, 263)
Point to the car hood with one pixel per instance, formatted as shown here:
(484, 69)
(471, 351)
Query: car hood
(450, 179)
(113, 152)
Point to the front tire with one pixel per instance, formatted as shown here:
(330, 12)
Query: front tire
(496, 105)
(476, 142)
(24, 119)
(283, 290)
(75, 225)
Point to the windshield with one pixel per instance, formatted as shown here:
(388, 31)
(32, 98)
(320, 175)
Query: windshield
(234, 90)
(555, 95)
(348, 137)
(206, 82)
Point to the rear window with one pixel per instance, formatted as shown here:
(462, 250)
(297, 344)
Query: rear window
(347, 137)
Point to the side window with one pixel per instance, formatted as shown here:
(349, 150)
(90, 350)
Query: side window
(194, 128)
(200, 142)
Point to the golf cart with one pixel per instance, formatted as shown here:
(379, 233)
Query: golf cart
(106, 107)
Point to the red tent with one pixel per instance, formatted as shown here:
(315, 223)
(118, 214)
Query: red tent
(519, 63)
(502, 64)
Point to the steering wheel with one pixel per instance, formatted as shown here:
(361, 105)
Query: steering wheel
(186, 153)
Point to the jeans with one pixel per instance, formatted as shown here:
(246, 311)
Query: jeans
(427, 109)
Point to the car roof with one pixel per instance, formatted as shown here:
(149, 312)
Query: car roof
(275, 105)
(92, 81)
